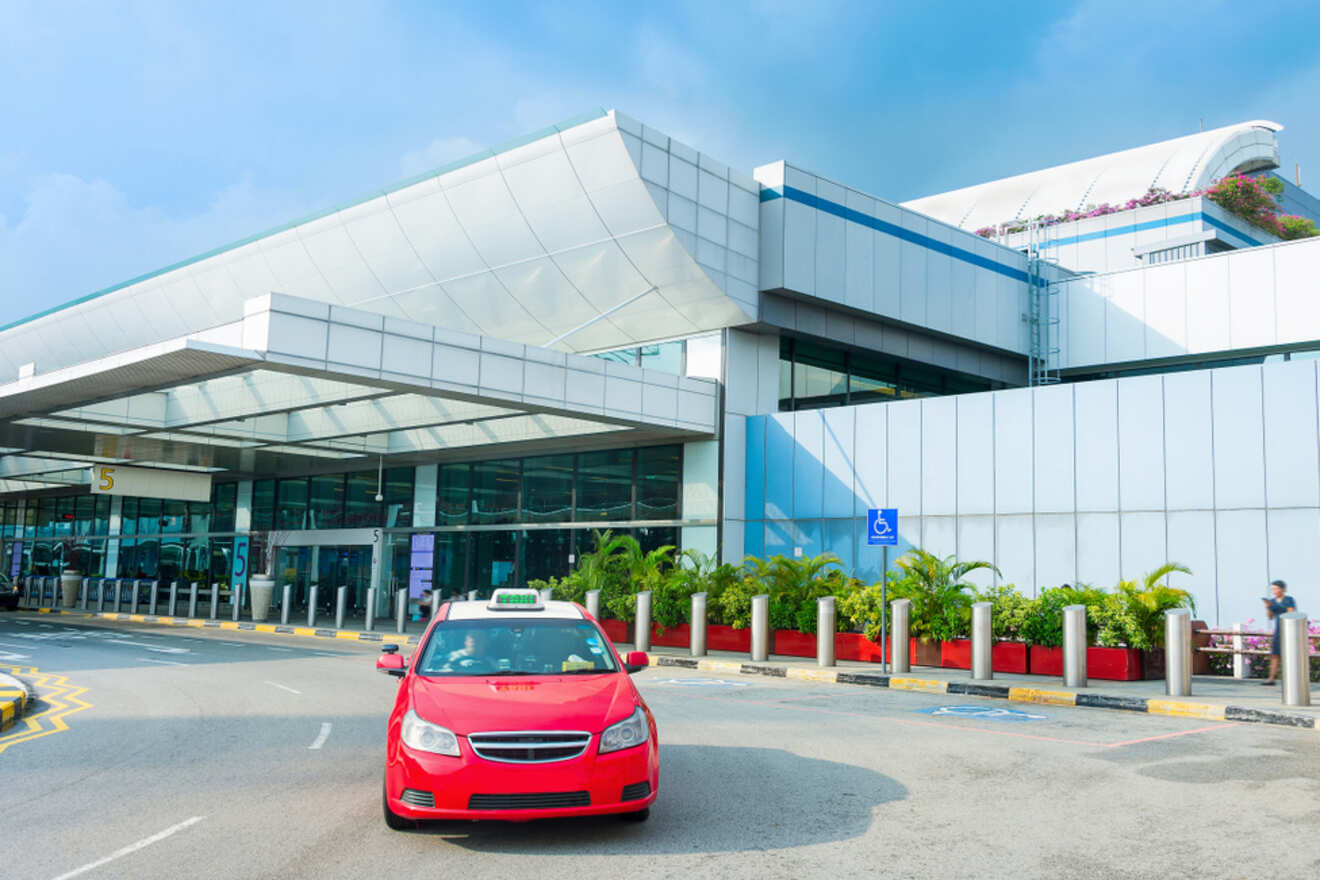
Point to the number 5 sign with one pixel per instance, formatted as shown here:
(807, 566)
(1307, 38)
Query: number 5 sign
(239, 572)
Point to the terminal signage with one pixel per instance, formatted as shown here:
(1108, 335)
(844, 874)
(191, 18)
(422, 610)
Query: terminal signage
(117, 479)
(882, 527)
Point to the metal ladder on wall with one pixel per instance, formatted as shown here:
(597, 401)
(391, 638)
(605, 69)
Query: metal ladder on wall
(1042, 311)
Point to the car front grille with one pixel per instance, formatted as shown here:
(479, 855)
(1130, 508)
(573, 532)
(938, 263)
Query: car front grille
(536, 801)
(529, 746)
(636, 791)
(415, 798)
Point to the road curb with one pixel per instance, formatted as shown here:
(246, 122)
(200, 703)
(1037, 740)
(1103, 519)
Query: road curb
(278, 629)
(14, 698)
(1012, 693)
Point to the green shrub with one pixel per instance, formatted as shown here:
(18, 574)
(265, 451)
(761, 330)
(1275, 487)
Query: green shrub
(1009, 612)
(793, 586)
(1043, 620)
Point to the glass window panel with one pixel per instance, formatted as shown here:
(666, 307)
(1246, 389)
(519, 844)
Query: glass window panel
(95, 558)
(327, 505)
(41, 558)
(495, 487)
(548, 489)
(263, 505)
(653, 538)
(360, 506)
(545, 554)
(621, 356)
(150, 511)
(172, 516)
(659, 479)
(221, 560)
(291, 504)
(84, 513)
(196, 562)
(128, 515)
(146, 558)
(604, 489)
(449, 575)
(30, 521)
(169, 566)
(199, 517)
(785, 384)
(225, 503)
(452, 495)
(398, 497)
(493, 558)
(667, 357)
(63, 516)
(101, 516)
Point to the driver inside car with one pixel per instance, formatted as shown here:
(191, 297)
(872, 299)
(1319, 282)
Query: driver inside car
(473, 651)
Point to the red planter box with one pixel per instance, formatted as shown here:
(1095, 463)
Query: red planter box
(725, 638)
(956, 654)
(1106, 664)
(1045, 660)
(855, 646)
(617, 630)
(1008, 657)
(673, 637)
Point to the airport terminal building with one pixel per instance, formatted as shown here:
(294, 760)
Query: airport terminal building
(452, 383)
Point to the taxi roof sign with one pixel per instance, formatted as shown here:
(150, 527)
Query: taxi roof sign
(515, 600)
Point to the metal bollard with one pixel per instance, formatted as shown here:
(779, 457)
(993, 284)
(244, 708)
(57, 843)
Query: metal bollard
(401, 610)
(982, 642)
(1178, 652)
(761, 627)
(215, 601)
(697, 641)
(1294, 662)
(236, 599)
(82, 600)
(1239, 659)
(192, 600)
(900, 612)
(593, 603)
(370, 623)
(155, 594)
(642, 624)
(54, 593)
(1074, 646)
(100, 596)
(545, 595)
(286, 605)
(341, 600)
(435, 603)
(174, 597)
(825, 631)
(311, 604)
(119, 593)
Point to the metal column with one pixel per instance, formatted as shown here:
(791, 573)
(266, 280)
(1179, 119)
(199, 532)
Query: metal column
(401, 610)
(82, 601)
(155, 594)
(192, 600)
(761, 627)
(642, 623)
(1178, 652)
(697, 637)
(236, 599)
(1294, 662)
(215, 601)
(593, 603)
(174, 597)
(100, 595)
(435, 603)
(825, 631)
(287, 605)
(900, 613)
(370, 623)
(341, 602)
(982, 642)
(311, 604)
(1074, 646)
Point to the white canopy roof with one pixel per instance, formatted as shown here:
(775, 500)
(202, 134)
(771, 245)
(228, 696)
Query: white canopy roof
(1179, 165)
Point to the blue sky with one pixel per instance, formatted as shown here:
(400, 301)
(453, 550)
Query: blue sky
(133, 135)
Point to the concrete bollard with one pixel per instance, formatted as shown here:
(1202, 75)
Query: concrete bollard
(1239, 659)
(1074, 646)
(1294, 659)
(82, 594)
(761, 627)
(286, 605)
(401, 611)
(341, 602)
(593, 603)
(370, 623)
(697, 629)
(174, 597)
(642, 623)
(825, 631)
(900, 613)
(311, 605)
(982, 642)
(215, 601)
(1178, 652)
(192, 600)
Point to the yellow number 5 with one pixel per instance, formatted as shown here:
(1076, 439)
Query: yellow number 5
(107, 481)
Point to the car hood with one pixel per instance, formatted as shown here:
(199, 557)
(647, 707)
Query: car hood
(534, 702)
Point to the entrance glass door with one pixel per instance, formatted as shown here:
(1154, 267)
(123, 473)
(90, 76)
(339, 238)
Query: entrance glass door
(344, 566)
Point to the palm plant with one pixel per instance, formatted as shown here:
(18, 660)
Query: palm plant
(1134, 613)
(941, 601)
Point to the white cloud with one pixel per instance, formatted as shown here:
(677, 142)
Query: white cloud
(439, 152)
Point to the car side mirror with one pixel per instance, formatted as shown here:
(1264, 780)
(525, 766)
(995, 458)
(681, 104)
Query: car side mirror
(636, 661)
(391, 663)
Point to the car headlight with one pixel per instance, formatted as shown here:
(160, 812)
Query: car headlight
(418, 733)
(631, 731)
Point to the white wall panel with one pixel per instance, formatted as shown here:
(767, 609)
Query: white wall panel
(1143, 544)
(1166, 310)
(939, 439)
(838, 457)
(1098, 549)
(940, 535)
(1141, 443)
(870, 459)
(912, 289)
(976, 455)
(1289, 393)
(888, 273)
(808, 464)
(905, 457)
(1013, 453)
(976, 542)
(1207, 305)
(1239, 438)
(1243, 565)
(1191, 540)
(1056, 550)
(1055, 484)
(1251, 307)
(1096, 413)
(1294, 555)
(859, 282)
(799, 247)
(1084, 330)
(1297, 307)
(1125, 327)
(1188, 441)
(1015, 552)
(831, 234)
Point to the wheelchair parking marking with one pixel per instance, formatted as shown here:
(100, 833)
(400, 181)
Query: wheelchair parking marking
(992, 713)
(702, 682)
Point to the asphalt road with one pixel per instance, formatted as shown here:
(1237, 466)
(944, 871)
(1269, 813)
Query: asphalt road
(220, 739)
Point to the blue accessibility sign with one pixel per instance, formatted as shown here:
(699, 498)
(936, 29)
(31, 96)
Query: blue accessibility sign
(882, 526)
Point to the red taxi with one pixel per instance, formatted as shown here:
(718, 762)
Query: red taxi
(517, 709)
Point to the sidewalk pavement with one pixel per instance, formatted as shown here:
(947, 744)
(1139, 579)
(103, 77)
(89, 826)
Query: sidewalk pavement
(1213, 697)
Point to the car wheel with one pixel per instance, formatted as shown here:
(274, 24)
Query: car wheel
(393, 820)
(636, 816)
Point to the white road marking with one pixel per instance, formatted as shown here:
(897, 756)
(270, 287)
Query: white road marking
(235, 644)
(322, 736)
(285, 650)
(163, 662)
(283, 687)
(11, 657)
(326, 654)
(132, 848)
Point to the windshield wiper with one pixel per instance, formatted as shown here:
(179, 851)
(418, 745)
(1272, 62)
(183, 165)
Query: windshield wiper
(583, 672)
(508, 672)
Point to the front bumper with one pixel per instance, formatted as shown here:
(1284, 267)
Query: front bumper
(453, 781)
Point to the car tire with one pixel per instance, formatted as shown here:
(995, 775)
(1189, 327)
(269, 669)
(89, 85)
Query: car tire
(636, 815)
(393, 820)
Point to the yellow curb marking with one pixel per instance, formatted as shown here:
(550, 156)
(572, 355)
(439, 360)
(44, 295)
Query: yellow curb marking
(1181, 709)
(1040, 695)
(923, 685)
(829, 676)
(61, 698)
(730, 666)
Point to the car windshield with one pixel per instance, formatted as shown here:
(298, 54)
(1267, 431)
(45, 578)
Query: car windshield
(516, 647)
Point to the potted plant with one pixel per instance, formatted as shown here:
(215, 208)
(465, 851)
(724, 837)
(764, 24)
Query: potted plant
(70, 576)
(1130, 621)
(262, 586)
